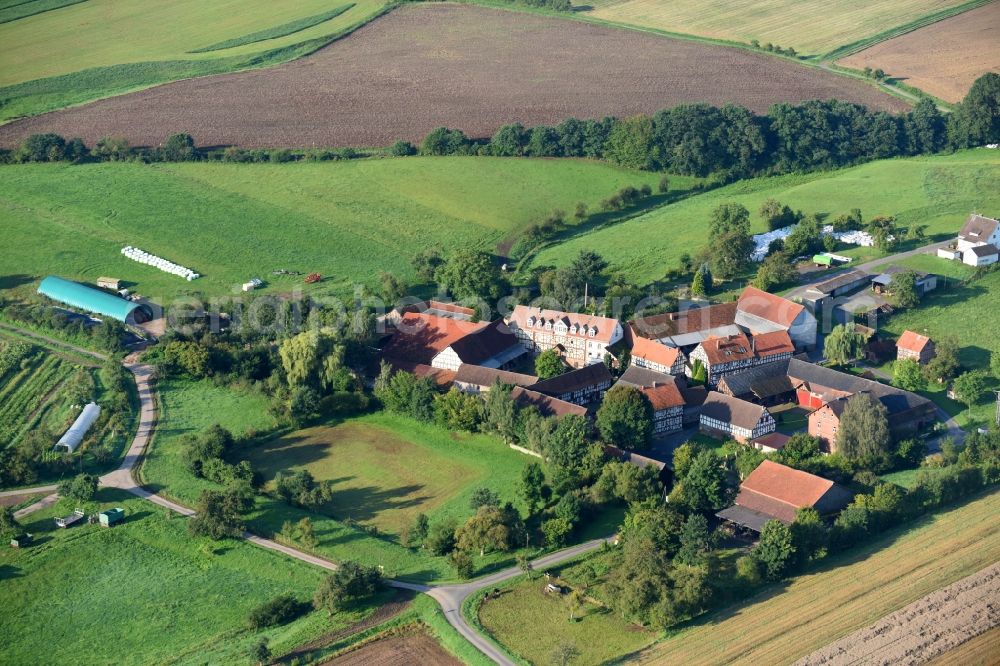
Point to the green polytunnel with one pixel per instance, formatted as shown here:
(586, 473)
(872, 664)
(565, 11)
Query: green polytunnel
(93, 300)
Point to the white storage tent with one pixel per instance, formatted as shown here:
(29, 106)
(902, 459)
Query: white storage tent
(80, 426)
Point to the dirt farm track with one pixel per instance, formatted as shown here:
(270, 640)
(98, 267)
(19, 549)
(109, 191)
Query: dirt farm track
(472, 68)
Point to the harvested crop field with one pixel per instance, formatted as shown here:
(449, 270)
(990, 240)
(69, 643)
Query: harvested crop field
(473, 68)
(412, 647)
(923, 630)
(942, 59)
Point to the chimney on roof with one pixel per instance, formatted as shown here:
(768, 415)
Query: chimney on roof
(674, 316)
(753, 344)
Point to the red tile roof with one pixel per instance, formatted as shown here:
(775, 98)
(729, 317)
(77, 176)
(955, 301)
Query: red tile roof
(787, 485)
(664, 396)
(774, 440)
(912, 341)
(527, 319)
(546, 405)
(419, 336)
(653, 351)
(767, 306)
(728, 349)
(439, 376)
(771, 344)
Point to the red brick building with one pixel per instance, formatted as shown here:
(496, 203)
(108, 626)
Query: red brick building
(919, 348)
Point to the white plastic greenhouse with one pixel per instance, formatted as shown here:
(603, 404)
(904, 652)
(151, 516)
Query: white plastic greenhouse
(81, 425)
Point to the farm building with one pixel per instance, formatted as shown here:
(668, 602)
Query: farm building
(816, 296)
(477, 379)
(491, 346)
(667, 394)
(766, 384)
(547, 406)
(581, 387)
(72, 438)
(925, 282)
(754, 312)
(434, 308)
(111, 517)
(419, 337)
(581, 339)
(723, 416)
(644, 377)
(776, 492)
(689, 328)
(109, 283)
(771, 443)
(93, 300)
(981, 255)
(655, 355)
(760, 312)
(733, 353)
(919, 348)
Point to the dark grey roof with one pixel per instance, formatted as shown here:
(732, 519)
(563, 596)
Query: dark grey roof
(575, 380)
(742, 383)
(838, 281)
(485, 343)
(644, 377)
(745, 517)
(820, 378)
(987, 250)
(480, 376)
(741, 413)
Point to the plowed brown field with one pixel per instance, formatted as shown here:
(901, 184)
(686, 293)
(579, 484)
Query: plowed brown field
(942, 59)
(423, 66)
(413, 647)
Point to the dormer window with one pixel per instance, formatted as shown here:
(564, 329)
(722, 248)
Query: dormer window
(574, 329)
(593, 331)
(548, 325)
(531, 321)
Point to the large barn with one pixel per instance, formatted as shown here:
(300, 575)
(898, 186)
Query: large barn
(95, 301)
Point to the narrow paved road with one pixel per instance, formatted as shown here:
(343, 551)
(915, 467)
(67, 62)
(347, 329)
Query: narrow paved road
(868, 266)
(450, 597)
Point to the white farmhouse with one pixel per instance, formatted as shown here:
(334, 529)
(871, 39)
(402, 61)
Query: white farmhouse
(582, 339)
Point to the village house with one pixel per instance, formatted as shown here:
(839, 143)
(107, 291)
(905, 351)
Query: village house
(417, 338)
(581, 387)
(766, 384)
(668, 407)
(476, 379)
(733, 353)
(731, 418)
(688, 328)
(491, 346)
(654, 355)
(914, 346)
(776, 492)
(581, 339)
(692, 397)
(978, 231)
(546, 405)
(981, 255)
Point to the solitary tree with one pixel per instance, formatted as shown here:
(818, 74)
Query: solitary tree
(903, 288)
(908, 375)
(81, 487)
(484, 531)
(944, 365)
(350, 582)
(625, 418)
(775, 549)
(260, 652)
(533, 488)
(843, 344)
(969, 387)
(863, 434)
(574, 602)
(549, 364)
(564, 654)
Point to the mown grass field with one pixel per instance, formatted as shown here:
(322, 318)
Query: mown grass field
(532, 624)
(232, 222)
(145, 592)
(810, 26)
(969, 314)
(387, 469)
(848, 592)
(375, 490)
(101, 47)
(938, 191)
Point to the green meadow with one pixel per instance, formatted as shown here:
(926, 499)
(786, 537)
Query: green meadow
(98, 48)
(145, 592)
(937, 191)
(232, 222)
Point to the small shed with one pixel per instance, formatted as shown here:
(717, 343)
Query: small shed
(20, 541)
(109, 283)
(111, 517)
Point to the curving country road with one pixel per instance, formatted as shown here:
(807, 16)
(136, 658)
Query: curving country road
(449, 597)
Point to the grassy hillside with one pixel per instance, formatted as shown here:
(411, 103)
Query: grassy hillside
(939, 191)
(232, 222)
(145, 592)
(810, 26)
